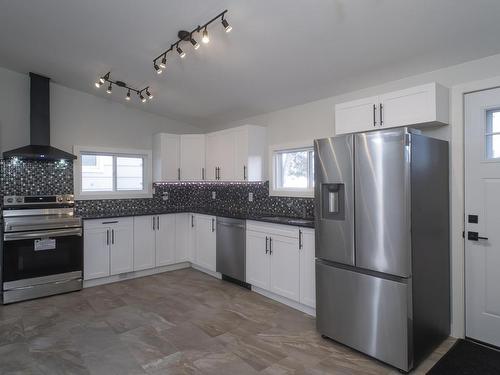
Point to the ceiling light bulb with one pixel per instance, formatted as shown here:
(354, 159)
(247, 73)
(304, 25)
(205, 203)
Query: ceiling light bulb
(163, 63)
(98, 84)
(181, 53)
(205, 39)
(158, 69)
(101, 80)
(195, 44)
(143, 99)
(227, 26)
(150, 96)
(128, 95)
(109, 89)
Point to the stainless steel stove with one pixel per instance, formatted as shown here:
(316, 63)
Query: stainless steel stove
(42, 251)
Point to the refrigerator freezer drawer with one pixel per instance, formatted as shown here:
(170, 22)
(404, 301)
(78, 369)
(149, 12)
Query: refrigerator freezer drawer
(367, 313)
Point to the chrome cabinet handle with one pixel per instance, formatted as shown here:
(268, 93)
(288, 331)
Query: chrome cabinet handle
(154, 224)
(213, 225)
(244, 172)
(266, 244)
(109, 222)
(202, 173)
(270, 245)
(112, 236)
(179, 174)
(216, 173)
(107, 237)
(374, 115)
(158, 222)
(192, 221)
(381, 114)
(300, 239)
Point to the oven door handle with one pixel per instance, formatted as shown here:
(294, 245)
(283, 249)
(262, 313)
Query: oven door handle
(44, 234)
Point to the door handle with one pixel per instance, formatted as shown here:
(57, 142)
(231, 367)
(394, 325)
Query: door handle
(112, 236)
(213, 225)
(154, 224)
(179, 174)
(266, 245)
(474, 236)
(381, 114)
(244, 172)
(192, 221)
(270, 245)
(107, 237)
(202, 173)
(216, 173)
(158, 222)
(374, 115)
(300, 239)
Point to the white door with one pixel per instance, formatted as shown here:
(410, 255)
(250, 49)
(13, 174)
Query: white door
(182, 237)
(205, 242)
(192, 151)
(96, 253)
(285, 267)
(144, 242)
(357, 116)
(170, 157)
(257, 259)
(165, 239)
(482, 198)
(307, 268)
(122, 248)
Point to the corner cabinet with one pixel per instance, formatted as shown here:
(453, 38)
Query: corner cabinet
(280, 259)
(108, 247)
(424, 105)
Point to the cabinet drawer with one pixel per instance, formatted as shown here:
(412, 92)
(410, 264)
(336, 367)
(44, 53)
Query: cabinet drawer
(114, 221)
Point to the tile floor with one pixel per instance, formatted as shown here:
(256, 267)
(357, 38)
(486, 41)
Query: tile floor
(181, 322)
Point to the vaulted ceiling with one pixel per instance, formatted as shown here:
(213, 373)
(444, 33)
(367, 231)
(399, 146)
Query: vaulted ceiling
(280, 52)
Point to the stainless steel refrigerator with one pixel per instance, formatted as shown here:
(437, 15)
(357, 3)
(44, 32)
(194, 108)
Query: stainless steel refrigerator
(382, 243)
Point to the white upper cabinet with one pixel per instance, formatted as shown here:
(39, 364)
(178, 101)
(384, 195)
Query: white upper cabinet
(166, 157)
(192, 157)
(220, 155)
(417, 106)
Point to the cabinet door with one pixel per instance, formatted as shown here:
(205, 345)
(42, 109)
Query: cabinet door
(122, 248)
(144, 243)
(241, 154)
(257, 260)
(356, 116)
(183, 240)
(192, 157)
(226, 160)
(412, 106)
(165, 239)
(96, 253)
(212, 155)
(307, 268)
(170, 145)
(285, 267)
(205, 242)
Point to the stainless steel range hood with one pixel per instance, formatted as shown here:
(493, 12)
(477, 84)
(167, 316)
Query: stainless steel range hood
(39, 147)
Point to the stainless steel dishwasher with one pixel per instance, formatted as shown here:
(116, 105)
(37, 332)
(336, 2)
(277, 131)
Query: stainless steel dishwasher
(231, 248)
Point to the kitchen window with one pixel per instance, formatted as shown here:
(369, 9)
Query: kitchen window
(111, 173)
(292, 171)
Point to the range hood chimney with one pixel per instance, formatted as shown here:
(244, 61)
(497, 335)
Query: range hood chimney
(39, 147)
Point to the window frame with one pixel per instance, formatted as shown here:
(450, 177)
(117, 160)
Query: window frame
(274, 189)
(146, 155)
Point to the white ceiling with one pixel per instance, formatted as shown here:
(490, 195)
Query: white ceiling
(280, 52)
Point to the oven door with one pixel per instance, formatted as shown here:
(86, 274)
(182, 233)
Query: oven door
(41, 253)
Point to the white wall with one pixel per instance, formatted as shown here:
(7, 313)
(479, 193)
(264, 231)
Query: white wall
(77, 117)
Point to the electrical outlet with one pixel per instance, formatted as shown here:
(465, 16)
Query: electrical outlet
(250, 197)
(213, 195)
(165, 196)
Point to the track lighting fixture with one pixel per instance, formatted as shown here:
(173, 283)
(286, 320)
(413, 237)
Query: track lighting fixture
(181, 53)
(106, 78)
(195, 44)
(205, 39)
(186, 36)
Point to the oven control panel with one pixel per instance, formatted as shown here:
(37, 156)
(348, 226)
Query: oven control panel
(38, 200)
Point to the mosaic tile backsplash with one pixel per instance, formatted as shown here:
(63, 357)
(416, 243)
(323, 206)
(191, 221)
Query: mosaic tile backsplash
(231, 198)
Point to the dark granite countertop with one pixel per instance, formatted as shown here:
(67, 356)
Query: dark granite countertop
(295, 221)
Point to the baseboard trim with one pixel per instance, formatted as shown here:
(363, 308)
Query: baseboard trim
(134, 274)
(207, 271)
(293, 304)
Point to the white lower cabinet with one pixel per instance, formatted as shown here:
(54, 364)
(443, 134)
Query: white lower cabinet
(280, 259)
(205, 241)
(183, 237)
(108, 247)
(165, 239)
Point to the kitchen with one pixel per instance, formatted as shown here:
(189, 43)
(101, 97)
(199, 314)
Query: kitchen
(168, 229)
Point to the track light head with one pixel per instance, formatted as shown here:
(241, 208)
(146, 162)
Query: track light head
(181, 53)
(98, 84)
(128, 95)
(143, 99)
(205, 39)
(195, 44)
(158, 69)
(163, 62)
(226, 25)
(150, 96)
(101, 80)
(110, 89)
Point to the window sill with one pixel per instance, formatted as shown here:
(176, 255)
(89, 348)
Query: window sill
(291, 193)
